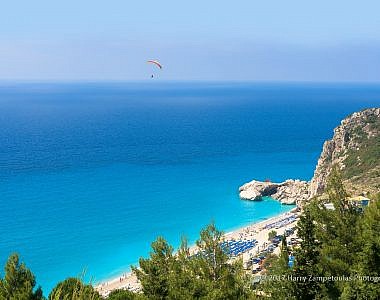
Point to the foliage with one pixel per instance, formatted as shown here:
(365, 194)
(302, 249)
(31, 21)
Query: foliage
(367, 264)
(154, 272)
(73, 288)
(272, 234)
(124, 295)
(306, 261)
(18, 282)
(337, 232)
(342, 242)
(307, 258)
(205, 275)
(223, 280)
(284, 255)
(367, 151)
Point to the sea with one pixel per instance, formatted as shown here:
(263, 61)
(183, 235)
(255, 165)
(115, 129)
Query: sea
(92, 172)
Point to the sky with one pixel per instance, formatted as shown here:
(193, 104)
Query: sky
(294, 40)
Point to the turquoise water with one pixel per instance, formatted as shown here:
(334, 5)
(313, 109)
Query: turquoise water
(90, 174)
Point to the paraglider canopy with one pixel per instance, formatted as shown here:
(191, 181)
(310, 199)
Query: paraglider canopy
(156, 62)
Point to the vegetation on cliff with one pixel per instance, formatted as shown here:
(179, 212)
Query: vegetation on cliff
(362, 165)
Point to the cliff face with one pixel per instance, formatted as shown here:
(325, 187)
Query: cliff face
(355, 149)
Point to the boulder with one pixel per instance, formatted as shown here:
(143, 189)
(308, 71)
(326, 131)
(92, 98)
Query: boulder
(287, 192)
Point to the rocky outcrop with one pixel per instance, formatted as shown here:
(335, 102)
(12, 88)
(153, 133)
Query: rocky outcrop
(287, 192)
(354, 139)
(255, 190)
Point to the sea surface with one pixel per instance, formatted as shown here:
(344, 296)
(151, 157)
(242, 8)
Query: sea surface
(92, 173)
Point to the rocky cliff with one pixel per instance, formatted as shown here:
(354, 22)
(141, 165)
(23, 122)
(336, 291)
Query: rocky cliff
(354, 149)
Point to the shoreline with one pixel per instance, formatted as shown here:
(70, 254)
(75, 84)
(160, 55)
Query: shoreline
(255, 230)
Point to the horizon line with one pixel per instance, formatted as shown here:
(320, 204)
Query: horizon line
(155, 81)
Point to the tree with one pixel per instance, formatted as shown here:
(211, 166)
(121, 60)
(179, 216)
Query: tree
(284, 255)
(212, 257)
(124, 295)
(272, 234)
(306, 259)
(221, 278)
(336, 191)
(184, 284)
(154, 271)
(208, 274)
(280, 288)
(18, 282)
(368, 258)
(336, 230)
(73, 288)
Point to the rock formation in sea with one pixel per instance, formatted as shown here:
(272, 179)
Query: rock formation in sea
(354, 149)
(287, 192)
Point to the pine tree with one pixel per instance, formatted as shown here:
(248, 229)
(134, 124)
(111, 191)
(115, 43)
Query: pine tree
(73, 288)
(280, 288)
(208, 274)
(368, 258)
(213, 257)
(184, 284)
(284, 255)
(18, 282)
(125, 295)
(224, 280)
(337, 233)
(306, 259)
(154, 271)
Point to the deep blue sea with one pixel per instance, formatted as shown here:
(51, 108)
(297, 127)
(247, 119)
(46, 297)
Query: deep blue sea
(91, 173)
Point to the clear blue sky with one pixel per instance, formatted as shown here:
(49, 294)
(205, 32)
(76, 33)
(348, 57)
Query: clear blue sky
(293, 40)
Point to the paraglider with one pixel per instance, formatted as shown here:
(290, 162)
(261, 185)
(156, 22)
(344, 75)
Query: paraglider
(156, 63)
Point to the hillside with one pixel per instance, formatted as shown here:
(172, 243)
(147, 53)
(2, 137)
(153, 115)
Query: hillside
(355, 149)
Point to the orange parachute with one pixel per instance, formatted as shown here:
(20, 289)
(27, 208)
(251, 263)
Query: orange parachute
(156, 62)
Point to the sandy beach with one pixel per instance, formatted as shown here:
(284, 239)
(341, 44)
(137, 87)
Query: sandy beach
(258, 231)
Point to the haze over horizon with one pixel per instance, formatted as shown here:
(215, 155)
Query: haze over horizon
(214, 40)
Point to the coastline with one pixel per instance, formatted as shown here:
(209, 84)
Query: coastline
(254, 230)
